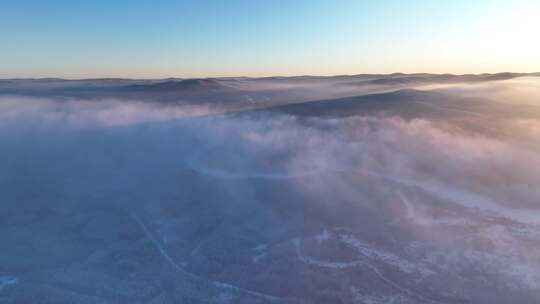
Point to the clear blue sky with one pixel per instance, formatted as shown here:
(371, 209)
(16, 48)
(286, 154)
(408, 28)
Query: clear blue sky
(98, 38)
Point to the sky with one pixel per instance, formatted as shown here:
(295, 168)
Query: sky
(194, 38)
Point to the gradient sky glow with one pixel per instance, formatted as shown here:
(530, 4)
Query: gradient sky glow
(195, 38)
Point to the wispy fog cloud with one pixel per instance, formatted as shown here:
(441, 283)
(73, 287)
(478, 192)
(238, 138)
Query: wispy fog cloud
(416, 150)
(419, 150)
(72, 113)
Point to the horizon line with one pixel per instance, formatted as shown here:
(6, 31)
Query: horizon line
(261, 77)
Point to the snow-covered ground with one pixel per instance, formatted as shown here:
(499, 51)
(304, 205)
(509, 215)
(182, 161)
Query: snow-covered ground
(403, 196)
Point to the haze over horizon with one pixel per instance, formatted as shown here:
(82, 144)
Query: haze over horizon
(397, 73)
(192, 39)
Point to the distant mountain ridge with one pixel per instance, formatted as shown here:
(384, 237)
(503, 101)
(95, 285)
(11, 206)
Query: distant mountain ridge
(417, 79)
(196, 84)
(214, 80)
(237, 92)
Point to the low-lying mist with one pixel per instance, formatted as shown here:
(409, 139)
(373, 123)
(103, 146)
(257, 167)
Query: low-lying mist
(120, 200)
